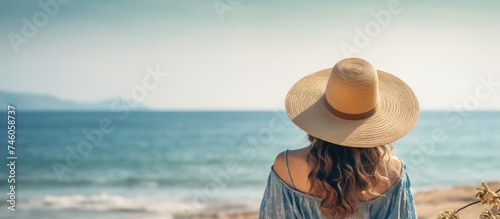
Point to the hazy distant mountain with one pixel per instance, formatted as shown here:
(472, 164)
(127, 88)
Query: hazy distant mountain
(24, 101)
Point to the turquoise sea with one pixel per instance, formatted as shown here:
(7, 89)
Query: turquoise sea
(156, 164)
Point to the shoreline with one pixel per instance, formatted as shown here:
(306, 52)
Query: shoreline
(429, 204)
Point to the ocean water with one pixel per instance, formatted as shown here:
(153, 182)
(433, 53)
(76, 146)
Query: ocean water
(159, 164)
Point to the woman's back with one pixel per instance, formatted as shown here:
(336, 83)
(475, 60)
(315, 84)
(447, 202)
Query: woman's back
(290, 199)
(299, 170)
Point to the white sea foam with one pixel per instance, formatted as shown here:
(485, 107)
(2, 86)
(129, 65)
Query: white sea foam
(109, 203)
(101, 202)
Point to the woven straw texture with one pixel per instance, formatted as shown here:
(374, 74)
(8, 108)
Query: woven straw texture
(353, 87)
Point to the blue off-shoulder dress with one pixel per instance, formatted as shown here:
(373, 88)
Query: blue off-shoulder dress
(282, 201)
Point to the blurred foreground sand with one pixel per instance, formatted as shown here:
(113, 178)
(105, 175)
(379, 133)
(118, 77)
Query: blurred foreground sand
(431, 203)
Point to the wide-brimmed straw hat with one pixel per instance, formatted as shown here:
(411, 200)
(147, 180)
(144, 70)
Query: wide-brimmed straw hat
(353, 104)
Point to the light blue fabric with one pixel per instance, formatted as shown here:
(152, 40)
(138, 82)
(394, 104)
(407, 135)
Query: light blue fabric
(281, 201)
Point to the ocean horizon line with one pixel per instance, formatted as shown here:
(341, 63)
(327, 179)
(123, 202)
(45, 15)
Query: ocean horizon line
(223, 110)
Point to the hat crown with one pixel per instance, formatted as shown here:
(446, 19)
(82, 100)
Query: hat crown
(352, 88)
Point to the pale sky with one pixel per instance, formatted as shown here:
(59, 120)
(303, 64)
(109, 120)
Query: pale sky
(95, 50)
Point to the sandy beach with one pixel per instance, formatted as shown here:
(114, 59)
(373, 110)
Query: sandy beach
(429, 204)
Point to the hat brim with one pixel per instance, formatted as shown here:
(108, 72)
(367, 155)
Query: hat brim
(395, 115)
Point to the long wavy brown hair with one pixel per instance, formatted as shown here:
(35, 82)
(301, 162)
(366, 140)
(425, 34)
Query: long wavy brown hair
(341, 175)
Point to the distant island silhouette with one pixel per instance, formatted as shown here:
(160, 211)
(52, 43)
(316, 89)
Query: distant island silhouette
(39, 102)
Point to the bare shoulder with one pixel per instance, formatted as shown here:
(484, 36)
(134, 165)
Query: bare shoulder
(297, 167)
(279, 167)
(279, 162)
(394, 169)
